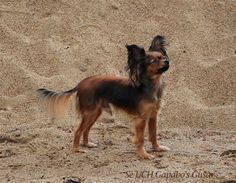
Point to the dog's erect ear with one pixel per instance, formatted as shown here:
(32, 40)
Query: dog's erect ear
(158, 44)
(135, 51)
(136, 56)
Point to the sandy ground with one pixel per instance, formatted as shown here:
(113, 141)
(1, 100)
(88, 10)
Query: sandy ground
(56, 43)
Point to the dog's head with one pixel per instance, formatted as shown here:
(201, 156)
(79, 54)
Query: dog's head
(142, 65)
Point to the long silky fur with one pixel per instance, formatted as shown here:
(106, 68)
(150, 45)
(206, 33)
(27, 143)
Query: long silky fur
(55, 102)
(159, 44)
(136, 56)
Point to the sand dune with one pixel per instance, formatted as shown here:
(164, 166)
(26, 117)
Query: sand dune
(56, 43)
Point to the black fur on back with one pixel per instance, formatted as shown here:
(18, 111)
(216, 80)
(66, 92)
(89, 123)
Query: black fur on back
(122, 96)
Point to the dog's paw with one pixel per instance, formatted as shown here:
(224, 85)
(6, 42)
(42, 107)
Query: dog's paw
(78, 150)
(145, 155)
(90, 145)
(161, 148)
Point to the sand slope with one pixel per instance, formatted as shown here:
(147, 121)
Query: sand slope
(56, 43)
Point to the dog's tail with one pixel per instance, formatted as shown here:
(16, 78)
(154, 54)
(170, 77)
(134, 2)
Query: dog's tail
(56, 103)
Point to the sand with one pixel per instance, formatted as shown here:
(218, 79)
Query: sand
(57, 43)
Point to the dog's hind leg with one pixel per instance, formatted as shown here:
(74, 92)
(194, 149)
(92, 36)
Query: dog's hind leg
(78, 133)
(93, 117)
(88, 118)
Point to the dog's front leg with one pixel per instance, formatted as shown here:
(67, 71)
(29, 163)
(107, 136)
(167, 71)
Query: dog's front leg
(138, 139)
(152, 129)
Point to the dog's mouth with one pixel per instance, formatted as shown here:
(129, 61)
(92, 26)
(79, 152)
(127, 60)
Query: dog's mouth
(163, 69)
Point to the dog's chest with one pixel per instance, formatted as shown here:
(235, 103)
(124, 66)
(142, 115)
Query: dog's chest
(158, 92)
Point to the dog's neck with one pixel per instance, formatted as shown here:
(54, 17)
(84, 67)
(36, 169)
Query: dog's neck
(153, 86)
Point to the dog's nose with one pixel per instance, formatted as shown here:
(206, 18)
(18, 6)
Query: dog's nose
(166, 62)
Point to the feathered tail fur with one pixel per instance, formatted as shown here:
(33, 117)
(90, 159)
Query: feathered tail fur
(56, 102)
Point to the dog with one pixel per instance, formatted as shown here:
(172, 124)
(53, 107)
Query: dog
(139, 95)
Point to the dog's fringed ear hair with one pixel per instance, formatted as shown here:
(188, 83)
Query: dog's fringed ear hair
(159, 44)
(136, 56)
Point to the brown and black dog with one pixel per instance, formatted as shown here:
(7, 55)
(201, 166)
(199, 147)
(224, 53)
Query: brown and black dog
(139, 95)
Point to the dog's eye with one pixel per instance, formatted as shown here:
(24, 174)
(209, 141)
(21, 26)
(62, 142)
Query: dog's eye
(153, 61)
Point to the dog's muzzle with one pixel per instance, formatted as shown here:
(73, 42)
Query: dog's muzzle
(164, 68)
